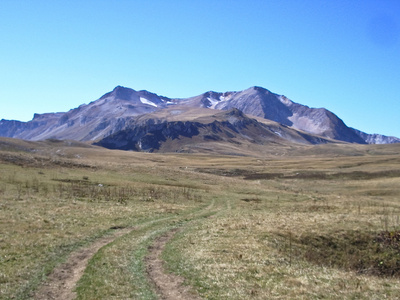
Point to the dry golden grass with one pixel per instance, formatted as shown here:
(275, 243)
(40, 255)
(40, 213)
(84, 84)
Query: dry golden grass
(273, 219)
(49, 207)
(254, 250)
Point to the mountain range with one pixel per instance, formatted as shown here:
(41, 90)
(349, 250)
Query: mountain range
(144, 121)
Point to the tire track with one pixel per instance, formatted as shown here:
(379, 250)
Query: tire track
(168, 286)
(60, 284)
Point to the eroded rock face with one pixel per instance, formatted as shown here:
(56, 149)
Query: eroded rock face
(376, 138)
(149, 137)
(10, 128)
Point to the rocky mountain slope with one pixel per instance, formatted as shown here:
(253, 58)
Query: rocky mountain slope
(376, 138)
(87, 122)
(260, 102)
(180, 133)
(121, 108)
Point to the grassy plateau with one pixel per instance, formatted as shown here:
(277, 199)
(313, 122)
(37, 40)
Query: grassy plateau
(320, 222)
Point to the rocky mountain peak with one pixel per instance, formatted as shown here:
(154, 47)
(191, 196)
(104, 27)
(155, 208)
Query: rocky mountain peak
(120, 92)
(124, 93)
(234, 112)
(259, 89)
(211, 94)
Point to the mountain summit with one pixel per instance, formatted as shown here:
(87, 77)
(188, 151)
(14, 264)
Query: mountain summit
(121, 109)
(260, 102)
(89, 121)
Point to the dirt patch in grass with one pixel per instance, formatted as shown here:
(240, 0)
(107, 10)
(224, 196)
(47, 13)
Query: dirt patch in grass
(169, 286)
(367, 253)
(61, 282)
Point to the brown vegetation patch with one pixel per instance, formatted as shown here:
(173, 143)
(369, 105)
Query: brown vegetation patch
(73, 181)
(363, 252)
(356, 175)
(224, 172)
(27, 160)
(389, 239)
(255, 200)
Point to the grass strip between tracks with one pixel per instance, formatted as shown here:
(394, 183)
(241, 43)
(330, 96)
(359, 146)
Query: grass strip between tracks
(118, 269)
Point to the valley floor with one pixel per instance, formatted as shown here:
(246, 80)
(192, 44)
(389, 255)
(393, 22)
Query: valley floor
(320, 222)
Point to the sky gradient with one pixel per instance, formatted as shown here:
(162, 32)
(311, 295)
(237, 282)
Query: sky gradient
(339, 54)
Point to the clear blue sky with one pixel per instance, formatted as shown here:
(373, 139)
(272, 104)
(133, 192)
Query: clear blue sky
(343, 55)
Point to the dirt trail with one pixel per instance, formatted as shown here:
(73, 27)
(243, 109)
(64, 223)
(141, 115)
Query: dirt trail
(61, 282)
(169, 286)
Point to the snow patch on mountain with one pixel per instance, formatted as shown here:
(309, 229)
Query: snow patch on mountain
(145, 101)
(213, 102)
(285, 100)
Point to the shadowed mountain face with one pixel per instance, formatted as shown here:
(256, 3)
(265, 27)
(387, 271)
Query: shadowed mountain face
(122, 108)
